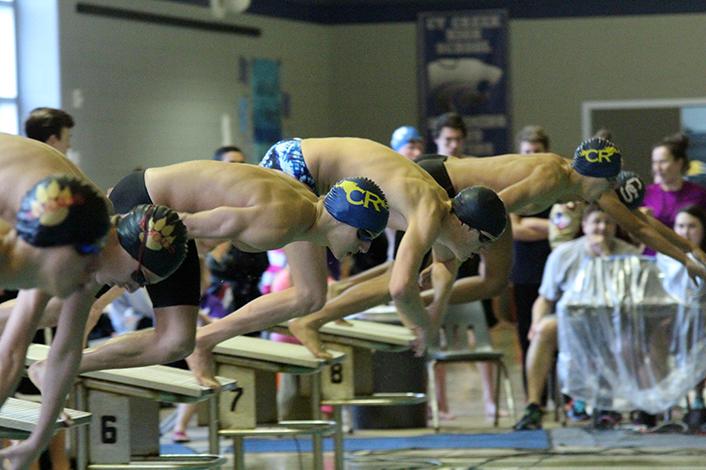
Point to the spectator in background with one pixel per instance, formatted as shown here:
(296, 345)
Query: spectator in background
(604, 133)
(407, 141)
(449, 134)
(531, 247)
(131, 311)
(670, 191)
(561, 268)
(51, 126)
(229, 154)
(690, 223)
(232, 272)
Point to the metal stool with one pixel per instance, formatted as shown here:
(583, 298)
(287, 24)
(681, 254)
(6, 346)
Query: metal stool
(315, 428)
(377, 399)
(459, 319)
(166, 461)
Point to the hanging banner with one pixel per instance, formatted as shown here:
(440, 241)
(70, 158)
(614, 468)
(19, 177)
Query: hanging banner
(463, 69)
(266, 105)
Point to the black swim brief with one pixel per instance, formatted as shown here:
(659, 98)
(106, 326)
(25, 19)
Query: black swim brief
(183, 287)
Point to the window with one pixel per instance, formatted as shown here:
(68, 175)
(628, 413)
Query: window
(8, 65)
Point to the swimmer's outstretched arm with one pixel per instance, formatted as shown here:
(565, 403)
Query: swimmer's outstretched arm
(5, 312)
(376, 272)
(370, 273)
(100, 304)
(16, 337)
(493, 276)
(529, 229)
(361, 296)
(171, 339)
(646, 233)
(60, 372)
(444, 269)
(422, 230)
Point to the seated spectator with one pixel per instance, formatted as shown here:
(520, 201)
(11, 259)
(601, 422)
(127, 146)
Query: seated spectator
(562, 266)
(690, 223)
(131, 311)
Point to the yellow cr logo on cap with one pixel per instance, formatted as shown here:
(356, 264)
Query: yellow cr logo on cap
(598, 155)
(358, 196)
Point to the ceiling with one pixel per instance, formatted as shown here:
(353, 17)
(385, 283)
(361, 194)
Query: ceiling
(375, 11)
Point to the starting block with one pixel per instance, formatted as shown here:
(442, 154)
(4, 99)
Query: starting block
(18, 418)
(124, 404)
(251, 410)
(350, 382)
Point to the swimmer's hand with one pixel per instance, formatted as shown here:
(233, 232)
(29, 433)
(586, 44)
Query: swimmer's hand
(699, 255)
(20, 456)
(419, 345)
(424, 279)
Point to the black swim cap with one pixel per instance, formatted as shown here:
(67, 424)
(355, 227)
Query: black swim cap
(631, 189)
(481, 208)
(156, 235)
(63, 210)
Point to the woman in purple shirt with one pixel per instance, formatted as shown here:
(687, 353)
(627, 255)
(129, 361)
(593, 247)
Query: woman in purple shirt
(670, 191)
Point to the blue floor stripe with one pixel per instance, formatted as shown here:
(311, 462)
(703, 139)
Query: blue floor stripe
(179, 449)
(513, 440)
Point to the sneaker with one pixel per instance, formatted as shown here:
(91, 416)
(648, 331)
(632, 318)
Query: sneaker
(642, 418)
(577, 411)
(180, 437)
(606, 419)
(531, 420)
(695, 420)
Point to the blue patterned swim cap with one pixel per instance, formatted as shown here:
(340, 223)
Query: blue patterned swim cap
(358, 202)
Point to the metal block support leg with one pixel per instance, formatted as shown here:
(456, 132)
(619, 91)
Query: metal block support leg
(238, 453)
(338, 445)
(316, 438)
(498, 376)
(82, 431)
(433, 402)
(213, 425)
